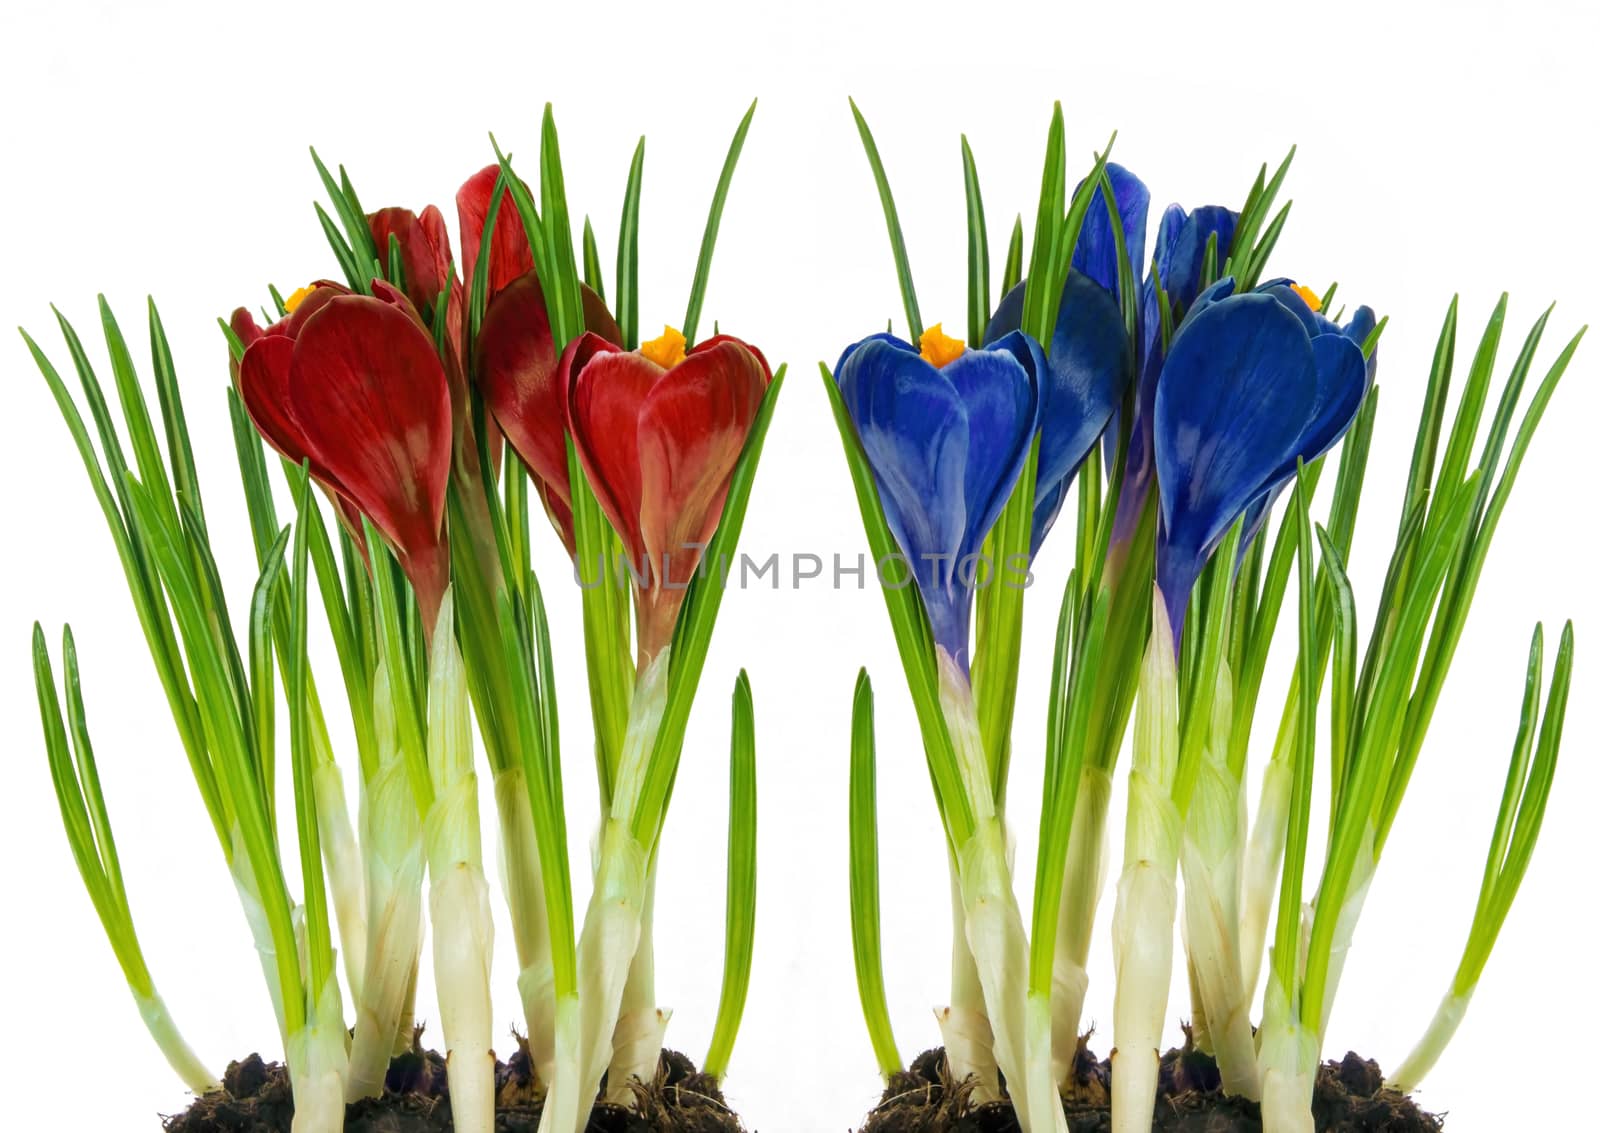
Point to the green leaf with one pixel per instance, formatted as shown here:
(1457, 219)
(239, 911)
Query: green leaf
(708, 242)
(865, 923)
(891, 217)
(977, 250)
(739, 935)
(1012, 275)
(628, 253)
(1287, 944)
(593, 275)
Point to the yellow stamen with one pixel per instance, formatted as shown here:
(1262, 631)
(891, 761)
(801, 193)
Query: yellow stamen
(938, 348)
(297, 298)
(666, 351)
(1312, 299)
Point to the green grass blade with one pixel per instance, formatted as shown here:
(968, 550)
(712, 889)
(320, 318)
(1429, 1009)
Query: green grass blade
(865, 924)
(628, 253)
(708, 242)
(739, 936)
(977, 249)
(593, 274)
(891, 217)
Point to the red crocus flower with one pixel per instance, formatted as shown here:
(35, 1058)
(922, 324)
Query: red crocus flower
(524, 383)
(352, 385)
(658, 431)
(509, 255)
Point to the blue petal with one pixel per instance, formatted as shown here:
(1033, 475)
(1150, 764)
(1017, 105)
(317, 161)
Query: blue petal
(1089, 367)
(1236, 393)
(1181, 250)
(1096, 252)
(1081, 387)
(1007, 316)
(1002, 400)
(882, 336)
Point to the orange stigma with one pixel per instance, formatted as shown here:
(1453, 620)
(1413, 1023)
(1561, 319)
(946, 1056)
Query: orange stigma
(939, 349)
(297, 298)
(1312, 299)
(666, 351)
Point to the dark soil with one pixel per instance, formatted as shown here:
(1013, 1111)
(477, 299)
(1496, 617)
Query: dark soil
(1349, 1097)
(256, 1098)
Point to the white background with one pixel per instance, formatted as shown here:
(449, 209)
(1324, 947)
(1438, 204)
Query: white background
(164, 151)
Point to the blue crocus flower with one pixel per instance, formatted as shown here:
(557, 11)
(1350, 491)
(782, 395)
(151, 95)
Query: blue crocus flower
(1095, 254)
(1178, 263)
(1090, 360)
(1357, 330)
(1089, 365)
(1252, 383)
(946, 431)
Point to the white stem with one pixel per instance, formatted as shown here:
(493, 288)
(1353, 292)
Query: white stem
(1147, 897)
(1264, 857)
(1082, 884)
(999, 943)
(1289, 1052)
(1141, 936)
(458, 895)
(964, 1024)
(523, 885)
(641, 1025)
(342, 858)
(255, 915)
(566, 1107)
(463, 941)
(992, 920)
(1213, 840)
(1344, 929)
(605, 952)
(178, 1053)
(317, 1066)
(392, 837)
(1210, 922)
(1441, 1029)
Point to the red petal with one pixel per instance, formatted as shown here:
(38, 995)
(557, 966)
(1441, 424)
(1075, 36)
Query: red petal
(608, 390)
(517, 371)
(509, 256)
(264, 388)
(243, 325)
(371, 399)
(424, 250)
(692, 428)
(717, 340)
(597, 319)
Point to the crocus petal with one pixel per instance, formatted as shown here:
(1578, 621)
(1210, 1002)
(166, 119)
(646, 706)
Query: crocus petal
(1096, 252)
(1236, 392)
(692, 428)
(521, 384)
(373, 405)
(424, 251)
(264, 389)
(1001, 395)
(1080, 385)
(1181, 249)
(509, 255)
(606, 394)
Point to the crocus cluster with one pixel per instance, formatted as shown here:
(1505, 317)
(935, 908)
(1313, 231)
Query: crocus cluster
(1203, 394)
(395, 392)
